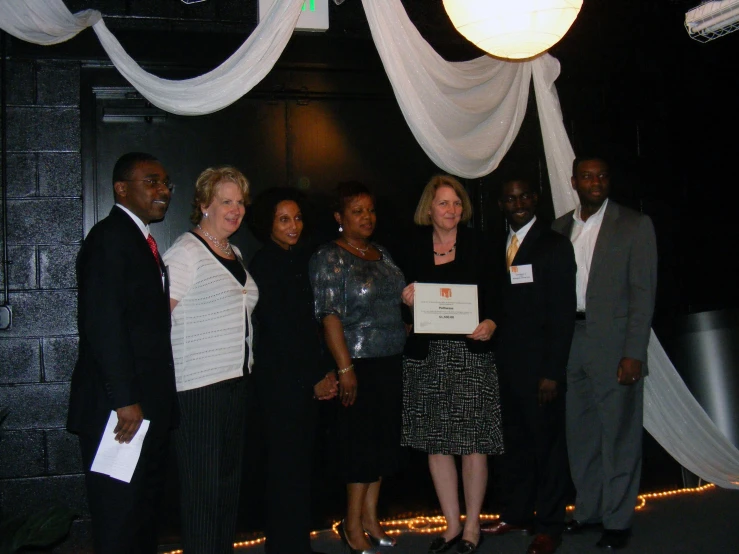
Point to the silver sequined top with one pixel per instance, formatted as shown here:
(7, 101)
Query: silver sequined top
(364, 294)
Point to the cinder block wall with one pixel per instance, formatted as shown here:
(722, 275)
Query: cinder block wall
(39, 460)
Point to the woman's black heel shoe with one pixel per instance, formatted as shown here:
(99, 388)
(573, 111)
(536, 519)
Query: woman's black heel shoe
(440, 544)
(381, 541)
(345, 540)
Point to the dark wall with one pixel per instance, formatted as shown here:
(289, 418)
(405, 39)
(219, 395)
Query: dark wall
(38, 458)
(635, 87)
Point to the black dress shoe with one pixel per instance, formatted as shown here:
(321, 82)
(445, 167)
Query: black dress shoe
(440, 544)
(467, 547)
(574, 526)
(614, 538)
(544, 544)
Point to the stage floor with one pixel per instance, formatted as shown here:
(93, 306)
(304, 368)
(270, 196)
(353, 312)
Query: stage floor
(688, 522)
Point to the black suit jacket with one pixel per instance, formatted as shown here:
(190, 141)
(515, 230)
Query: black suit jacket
(538, 319)
(474, 265)
(125, 353)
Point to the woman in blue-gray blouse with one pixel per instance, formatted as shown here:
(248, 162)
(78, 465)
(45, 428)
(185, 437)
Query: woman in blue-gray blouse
(357, 290)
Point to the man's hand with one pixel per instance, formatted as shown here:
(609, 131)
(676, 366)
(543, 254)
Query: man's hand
(547, 391)
(629, 371)
(129, 421)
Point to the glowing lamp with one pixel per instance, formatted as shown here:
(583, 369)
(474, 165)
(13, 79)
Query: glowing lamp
(513, 29)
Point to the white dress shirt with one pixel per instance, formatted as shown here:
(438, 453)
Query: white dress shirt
(136, 220)
(143, 228)
(584, 235)
(521, 234)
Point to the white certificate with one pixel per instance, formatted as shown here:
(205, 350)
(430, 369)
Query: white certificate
(448, 309)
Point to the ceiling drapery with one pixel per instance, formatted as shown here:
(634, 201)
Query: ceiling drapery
(465, 115)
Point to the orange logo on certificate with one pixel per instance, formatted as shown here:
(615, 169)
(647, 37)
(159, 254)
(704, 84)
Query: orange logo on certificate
(445, 292)
(514, 269)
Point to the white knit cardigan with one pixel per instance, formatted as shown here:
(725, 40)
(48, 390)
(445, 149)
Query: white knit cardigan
(208, 323)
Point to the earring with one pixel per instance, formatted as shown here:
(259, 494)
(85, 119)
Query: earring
(341, 229)
(205, 214)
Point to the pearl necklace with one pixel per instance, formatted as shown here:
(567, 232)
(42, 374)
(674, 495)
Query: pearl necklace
(362, 251)
(225, 248)
(453, 248)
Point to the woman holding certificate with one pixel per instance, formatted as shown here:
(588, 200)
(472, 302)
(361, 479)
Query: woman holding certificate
(450, 384)
(357, 290)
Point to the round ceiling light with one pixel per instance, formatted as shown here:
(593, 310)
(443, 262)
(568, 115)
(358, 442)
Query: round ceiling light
(514, 29)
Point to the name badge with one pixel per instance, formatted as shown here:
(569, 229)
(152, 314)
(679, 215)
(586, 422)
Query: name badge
(522, 274)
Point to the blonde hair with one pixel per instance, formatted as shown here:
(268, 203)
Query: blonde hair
(423, 210)
(208, 181)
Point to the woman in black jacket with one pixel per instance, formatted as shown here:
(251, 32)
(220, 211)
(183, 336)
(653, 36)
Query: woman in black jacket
(450, 384)
(290, 371)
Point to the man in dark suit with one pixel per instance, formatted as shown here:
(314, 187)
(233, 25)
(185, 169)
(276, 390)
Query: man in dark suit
(616, 254)
(125, 355)
(535, 332)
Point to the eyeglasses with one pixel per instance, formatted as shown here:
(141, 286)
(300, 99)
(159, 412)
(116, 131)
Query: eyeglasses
(154, 183)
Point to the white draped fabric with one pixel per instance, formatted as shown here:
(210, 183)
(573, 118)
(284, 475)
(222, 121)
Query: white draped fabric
(225, 84)
(50, 22)
(43, 22)
(465, 115)
(676, 420)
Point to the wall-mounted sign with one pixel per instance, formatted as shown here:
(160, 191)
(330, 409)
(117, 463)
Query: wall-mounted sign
(313, 17)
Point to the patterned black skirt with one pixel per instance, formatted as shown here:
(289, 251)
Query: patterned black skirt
(451, 403)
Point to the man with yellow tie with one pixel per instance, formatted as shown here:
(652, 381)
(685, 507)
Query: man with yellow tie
(535, 331)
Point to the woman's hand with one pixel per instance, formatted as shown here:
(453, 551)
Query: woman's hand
(327, 387)
(348, 388)
(408, 295)
(484, 331)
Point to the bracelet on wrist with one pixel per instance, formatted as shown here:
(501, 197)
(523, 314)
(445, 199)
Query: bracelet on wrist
(348, 368)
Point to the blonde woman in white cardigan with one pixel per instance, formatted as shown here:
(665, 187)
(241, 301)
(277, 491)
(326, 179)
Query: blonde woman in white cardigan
(212, 297)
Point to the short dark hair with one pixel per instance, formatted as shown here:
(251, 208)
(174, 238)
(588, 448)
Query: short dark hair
(123, 168)
(347, 190)
(265, 206)
(533, 185)
(579, 159)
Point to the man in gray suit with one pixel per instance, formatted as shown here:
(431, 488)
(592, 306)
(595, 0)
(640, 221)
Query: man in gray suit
(616, 254)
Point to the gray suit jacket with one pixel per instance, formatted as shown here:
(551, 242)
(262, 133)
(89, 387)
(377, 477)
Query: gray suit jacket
(623, 280)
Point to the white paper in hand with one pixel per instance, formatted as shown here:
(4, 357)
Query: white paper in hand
(115, 459)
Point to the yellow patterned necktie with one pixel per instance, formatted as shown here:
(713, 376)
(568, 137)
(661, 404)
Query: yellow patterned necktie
(511, 252)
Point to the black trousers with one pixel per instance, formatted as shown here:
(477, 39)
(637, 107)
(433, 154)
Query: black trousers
(210, 445)
(533, 470)
(125, 515)
(289, 415)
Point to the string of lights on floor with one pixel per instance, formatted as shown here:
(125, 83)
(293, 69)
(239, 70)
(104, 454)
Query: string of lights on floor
(436, 524)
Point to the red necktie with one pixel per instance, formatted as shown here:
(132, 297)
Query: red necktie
(153, 247)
